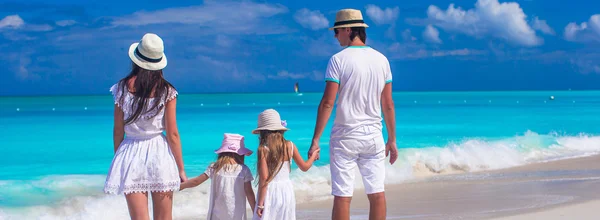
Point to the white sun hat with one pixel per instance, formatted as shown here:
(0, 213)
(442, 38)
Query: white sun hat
(270, 120)
(149, 52)
(348, 18)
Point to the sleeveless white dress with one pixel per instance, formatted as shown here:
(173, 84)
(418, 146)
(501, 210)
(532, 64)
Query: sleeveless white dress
(143, 162)
(280, 200)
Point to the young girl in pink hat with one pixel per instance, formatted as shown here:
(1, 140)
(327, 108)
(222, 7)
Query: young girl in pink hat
(231, 181)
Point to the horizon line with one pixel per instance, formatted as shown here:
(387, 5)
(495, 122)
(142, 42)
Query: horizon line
(311, 92)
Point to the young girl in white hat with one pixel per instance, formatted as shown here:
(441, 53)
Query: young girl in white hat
(276, 199)
(230, 181)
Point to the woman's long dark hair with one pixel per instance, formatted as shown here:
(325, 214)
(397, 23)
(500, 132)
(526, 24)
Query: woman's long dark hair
(148, 84)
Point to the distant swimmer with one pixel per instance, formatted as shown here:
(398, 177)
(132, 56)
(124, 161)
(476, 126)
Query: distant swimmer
(551, 97)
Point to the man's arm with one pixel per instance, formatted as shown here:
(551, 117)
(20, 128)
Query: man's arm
(323, 113)
(389, 115)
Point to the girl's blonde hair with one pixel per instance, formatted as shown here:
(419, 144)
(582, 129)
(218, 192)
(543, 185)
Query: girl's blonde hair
(273, 147)
(224, 158)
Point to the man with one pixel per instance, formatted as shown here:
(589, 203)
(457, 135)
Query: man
(363, 78)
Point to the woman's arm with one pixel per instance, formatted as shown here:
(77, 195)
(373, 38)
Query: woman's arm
(173, 136)
(304, 165)
(118, 127)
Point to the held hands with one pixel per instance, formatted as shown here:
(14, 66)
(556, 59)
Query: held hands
(259, 210)
(315, 154)
(314, 149)
(182, 176)
(391, 150)
(186, 184)
(184, 180)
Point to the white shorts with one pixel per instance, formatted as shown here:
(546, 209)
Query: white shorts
(364, 147)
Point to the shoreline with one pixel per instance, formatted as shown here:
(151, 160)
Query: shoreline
(539, 190)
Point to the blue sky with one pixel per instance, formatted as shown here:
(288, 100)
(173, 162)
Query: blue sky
(70, 47)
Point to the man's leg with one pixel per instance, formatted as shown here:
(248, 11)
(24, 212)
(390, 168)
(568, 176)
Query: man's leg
(371, 163)
(342, 164)
(341, 208)
(377, 208)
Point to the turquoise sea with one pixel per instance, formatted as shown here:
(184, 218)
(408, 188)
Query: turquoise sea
(56, 150)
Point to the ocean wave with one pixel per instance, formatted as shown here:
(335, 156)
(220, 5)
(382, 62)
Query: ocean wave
(80, 196)
(478, 155)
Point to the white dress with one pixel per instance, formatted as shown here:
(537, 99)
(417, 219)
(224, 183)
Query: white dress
(280, 200)
(143, 162)
(227, 194)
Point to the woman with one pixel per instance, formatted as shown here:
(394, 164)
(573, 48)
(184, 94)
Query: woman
(146, 160)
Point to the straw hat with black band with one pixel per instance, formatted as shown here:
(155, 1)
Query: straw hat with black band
(348, 18)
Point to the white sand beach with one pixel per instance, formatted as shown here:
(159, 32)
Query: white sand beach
(566, 189)
(583, 211)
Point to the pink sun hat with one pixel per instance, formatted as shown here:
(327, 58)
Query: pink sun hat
(234, 143)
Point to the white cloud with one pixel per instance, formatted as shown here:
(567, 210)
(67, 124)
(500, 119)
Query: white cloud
(22, 67)
(287, 75)
(382, 16)
(223, 41)
(247, 77)
(38, 27)
(221, 16)
(391, 32)
(410, 49)
(14, 28)
(23, 72)
(489, 17)
(317, 76)
(407, 36)
(406, 51)
(314, 75)
(214, 62)
(229, 70)
(460, 52)
(65, 23)
(585, 66)
(542, 26)
(314, 20)
(323, 46)
(585, 61)
(432, 35)
(585, 32)
(12, 21)
(14, 36)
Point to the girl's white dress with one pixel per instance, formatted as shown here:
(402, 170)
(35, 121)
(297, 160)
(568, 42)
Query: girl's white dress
(143, 162)
(280, 200)
(227, 194)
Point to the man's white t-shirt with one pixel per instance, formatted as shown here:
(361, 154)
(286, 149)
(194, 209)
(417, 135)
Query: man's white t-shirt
(362, 72)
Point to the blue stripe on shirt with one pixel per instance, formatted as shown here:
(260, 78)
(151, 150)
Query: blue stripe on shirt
(332, 80)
